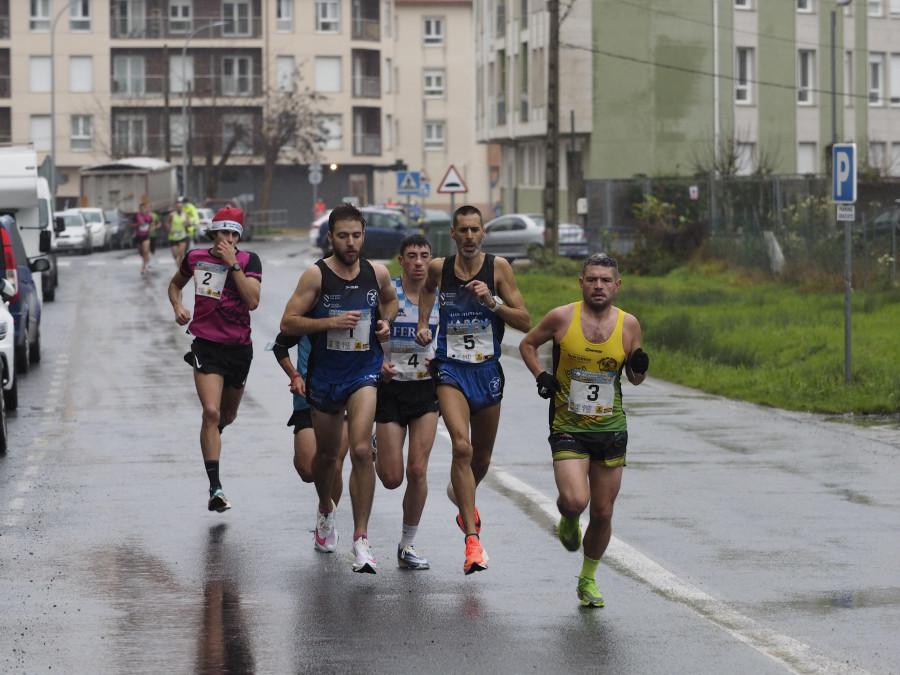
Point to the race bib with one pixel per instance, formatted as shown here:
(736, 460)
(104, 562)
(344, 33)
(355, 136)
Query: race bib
(354, 339)
(410, 360)
(592, 393)
(209, 279)
(470, 342)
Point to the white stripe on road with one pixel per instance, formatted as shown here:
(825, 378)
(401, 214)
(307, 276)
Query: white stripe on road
(796, 656)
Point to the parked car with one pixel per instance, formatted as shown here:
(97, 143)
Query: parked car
(119, 228)
(25, 305)
(511, 236)
(10, 398)
(204, 220)
(98, 227)
(316, 226)
(74, 235)
(385, 228)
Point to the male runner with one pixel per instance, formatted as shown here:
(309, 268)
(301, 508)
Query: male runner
(226, 290)
(406, 399)
(478, 297)
(592, 342)
(338, 302)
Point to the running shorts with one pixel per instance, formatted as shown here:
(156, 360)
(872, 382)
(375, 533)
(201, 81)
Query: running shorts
(482, 385)
(215, 358)
(402, 402)
(606, 447)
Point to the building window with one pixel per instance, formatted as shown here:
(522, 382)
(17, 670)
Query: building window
(236, 76)
(433, 31)
(176, 131)
(328, 73)
(40, 132)
(82, 132)
(39, 74)
(804, 5)
(81, 74)
(236, 15)
(894, 92)
(876, 8)
(39, 19)
(181, 74)
(878, 155)
(80, 16)
(894, 9)
(238, 127)
(180, 16)
(284, 16)
(284, 73)
(328, 16)
(129, 19)
(895, 159)
(806, 158)
(128, 75)
(743, 74)
(745, 158)
(388, 76)
(806, 76)
(130, 135)
(331, 132)
(742, 4)
(876, 79)
(434, 84)
(434, 135)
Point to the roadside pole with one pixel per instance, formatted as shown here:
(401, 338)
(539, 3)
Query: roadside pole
(844, 195)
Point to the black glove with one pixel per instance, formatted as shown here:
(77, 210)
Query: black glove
(547, 385)
(639, 362)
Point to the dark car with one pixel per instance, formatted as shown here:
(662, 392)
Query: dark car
(385, 228)
(119, 228)
(25, 305)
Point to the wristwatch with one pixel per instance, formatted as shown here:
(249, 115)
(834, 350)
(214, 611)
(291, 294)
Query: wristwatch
(499, 302)
(236, 267)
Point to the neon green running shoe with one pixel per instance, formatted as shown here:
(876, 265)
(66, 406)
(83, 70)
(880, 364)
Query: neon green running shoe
(588, 593)
(569, 533)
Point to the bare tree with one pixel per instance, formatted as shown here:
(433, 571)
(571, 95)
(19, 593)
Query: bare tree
(288, 131)
(725, 158)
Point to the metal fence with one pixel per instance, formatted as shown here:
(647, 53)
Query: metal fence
(269, 220)
(783, 224)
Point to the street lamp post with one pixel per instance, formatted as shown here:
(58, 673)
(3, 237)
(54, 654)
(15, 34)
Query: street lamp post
(52, 180)
(184, 120)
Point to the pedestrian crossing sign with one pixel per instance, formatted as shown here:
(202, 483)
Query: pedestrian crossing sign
(408, 182)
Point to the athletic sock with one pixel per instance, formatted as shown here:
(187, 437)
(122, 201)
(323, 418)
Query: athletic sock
(212, 470)
(589, 567)
(408, 537)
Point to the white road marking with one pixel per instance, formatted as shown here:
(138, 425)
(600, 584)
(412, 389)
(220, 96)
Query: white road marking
(796, 656)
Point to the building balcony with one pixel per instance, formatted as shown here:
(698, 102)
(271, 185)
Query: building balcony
(4, 86)
(365, 29)
(126, 89)
(366, 87)
(129, 24)
(4, 27)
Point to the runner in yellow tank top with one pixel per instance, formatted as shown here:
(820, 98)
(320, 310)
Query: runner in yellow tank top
(177, 224)
(593, 342)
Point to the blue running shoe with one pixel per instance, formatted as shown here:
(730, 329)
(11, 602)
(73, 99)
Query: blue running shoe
(409, 559)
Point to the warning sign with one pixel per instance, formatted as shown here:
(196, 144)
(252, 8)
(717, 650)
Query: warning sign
(452, 182)
(407, 182)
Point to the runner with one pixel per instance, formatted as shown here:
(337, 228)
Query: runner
(406, 399)
(593, 341)
(478, 297)
(143, 224)
(177, 225)
(226, 289)
(338, 302)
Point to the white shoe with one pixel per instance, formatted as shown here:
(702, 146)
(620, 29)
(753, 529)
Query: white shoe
(326, 533)
(360, 557)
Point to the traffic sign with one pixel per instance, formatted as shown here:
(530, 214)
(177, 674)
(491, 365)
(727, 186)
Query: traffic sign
(315, 177)
(408, 182)
(843, 157)
(452, 183)
(425, 189)
(846, 212)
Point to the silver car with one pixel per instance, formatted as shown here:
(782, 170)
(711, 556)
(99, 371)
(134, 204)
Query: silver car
(511, 236)
(76, 236)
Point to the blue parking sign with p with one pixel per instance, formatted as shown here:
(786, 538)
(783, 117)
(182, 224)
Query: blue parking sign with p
(844, 173)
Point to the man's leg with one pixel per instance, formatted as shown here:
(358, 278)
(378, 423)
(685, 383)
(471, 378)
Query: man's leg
(455, 410)
(422, 431)
(210, 390)
(329, 435)
(389, 458)
(574, 495)
(305, 451)
(360, 417)
(605, 484)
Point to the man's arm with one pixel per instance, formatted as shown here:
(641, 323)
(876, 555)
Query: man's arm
(551, 327)
(388, 303)
(513, 311)
(631, 338)
(426, 301)
(182, 313)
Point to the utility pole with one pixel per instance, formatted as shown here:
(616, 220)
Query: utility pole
(551, 180)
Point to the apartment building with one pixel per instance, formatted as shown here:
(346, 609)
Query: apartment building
(665, 88)
(152, 77)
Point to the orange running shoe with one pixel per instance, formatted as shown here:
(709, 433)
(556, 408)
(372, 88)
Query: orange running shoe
(459, 522)
(476, 557)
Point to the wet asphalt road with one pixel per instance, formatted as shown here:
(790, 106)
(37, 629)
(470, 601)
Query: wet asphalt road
(747, 540)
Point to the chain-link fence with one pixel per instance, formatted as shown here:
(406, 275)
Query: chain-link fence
(783, 224)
